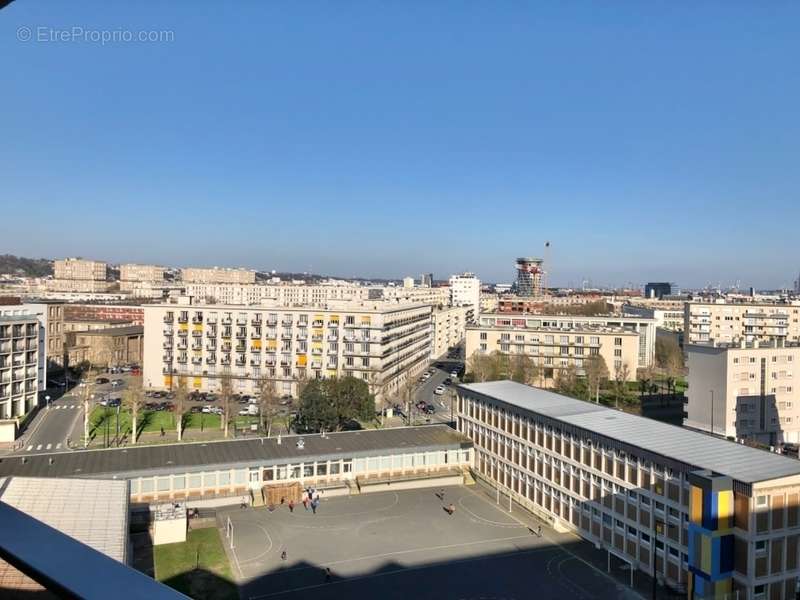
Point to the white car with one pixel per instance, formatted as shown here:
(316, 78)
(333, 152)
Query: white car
(426, 376)
(439, 390)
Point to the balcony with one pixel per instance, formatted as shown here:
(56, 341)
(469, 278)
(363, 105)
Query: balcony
(241, 320)
(167, 357)
(167, 344)
(286, 322)
(226, 333)
(254, 362)
(183, 318)
(272, 321)
(333, 338)
(317, 324)
(197, 334)
(226, 321)
(197, 360)
(272, 336)
(286, 335)
(285, 362)
(240, 362)
(183, 333)
(211, 347)
(302, 336)
(197, 347)
(316, 351)
(241, 348)
(270, 362)
(316, 338)
(349, 337)
(168, 318)
(256, 321)
(315, 364)
(183, 347)
(226, 361)
(211, 320)
(168, 331)
(241, 334)
(332, 367)
(182, 359)
(211, 334)
(226, 347)
(167, 371)
(197, 319)
(211, 360)
(255, 335)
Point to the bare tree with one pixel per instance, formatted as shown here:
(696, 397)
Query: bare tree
(87, 383)
(596, 373)
(566, 380)
(225, 396)
(267, 403)
(181, 397)
(132, 397)
(523, 369)
(621, 375)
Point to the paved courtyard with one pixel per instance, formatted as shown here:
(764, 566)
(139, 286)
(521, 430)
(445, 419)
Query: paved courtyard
(403, 545)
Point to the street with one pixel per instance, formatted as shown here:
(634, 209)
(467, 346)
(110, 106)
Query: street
(441, 403)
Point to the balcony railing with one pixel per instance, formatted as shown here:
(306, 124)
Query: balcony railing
(167, 344)
(183, 319)
(168, 318)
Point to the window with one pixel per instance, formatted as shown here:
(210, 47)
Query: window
(761, 547)
(618, 341)
(483, 335)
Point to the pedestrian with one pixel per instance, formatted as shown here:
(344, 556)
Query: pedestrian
(283, 500)
(451, 509)
(441, 494)
(327, 574)
(243, 503)
(291, 506)
(283, 555)
(305, 502)
(314, 505)
(162, 432)
(539, 531)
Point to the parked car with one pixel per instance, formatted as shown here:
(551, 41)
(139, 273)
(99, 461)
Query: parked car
(429, 409)
(285, 400)
(448, 381)
(101, 380)
(196, 409)
(117, 383)
(439, 390)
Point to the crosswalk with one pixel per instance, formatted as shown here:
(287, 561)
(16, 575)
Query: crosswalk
(64, 406)
(45, 447)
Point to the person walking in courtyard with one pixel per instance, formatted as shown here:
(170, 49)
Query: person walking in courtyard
(450, 509)
(539, 531)
(291, 506)
(305, 502)
(283, 555)
(314, 505)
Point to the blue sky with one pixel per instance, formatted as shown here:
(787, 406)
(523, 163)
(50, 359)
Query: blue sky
(645, 140)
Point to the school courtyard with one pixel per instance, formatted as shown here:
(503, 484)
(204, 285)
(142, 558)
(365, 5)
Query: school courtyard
(403, 544)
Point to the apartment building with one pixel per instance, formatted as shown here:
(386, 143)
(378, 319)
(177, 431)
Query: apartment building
(709, 517)
(384, 344)
(130, 275)
(217, 275)
(51, 320)
(21, 369)
(80, 269)
(728, 322)
(132, 314)
(553, 348)
(667, 314)
(644, 327)
(283, 294)
(418, 295)
(449, 328)
(465, 289)
(745, 391)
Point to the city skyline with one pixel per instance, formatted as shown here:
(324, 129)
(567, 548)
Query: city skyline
(645, 144)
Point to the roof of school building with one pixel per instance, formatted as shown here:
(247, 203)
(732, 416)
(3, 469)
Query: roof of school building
(701, 450)
(199, 456)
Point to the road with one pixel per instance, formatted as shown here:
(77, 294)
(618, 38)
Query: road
(440, 403)
(63, 419)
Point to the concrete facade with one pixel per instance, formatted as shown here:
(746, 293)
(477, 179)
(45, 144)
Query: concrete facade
(217, 275)
(21, 369)
(728, 322)
(382, 343)
(745, 391)
(465, 290)
(449, 328)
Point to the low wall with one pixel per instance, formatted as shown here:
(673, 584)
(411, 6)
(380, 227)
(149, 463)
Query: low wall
(368, 486)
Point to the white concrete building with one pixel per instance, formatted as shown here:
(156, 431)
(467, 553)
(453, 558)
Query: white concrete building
(217, 275)
(449, 328)
(726, 322)
(384, 344)
(745, 391)
(132, 275)
(21, 369)
(666, 317)
(408, 282)
(644, 327)
(465, 290)
(80, 269)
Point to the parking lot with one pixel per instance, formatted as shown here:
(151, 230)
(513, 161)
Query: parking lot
(401, 545)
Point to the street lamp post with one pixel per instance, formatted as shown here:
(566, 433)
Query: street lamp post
(47, 399)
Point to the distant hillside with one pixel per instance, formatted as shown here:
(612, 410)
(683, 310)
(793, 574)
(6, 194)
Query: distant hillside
(18, 265)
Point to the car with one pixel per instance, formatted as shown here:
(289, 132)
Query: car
(243, 412)
(196, 409)
(117, 383)
(101, 380)
(114, 402)
(285, 400)
(440, 389)
(207, 409)
(429, 409)
(453, 373)
(421, 405)
(448, 381)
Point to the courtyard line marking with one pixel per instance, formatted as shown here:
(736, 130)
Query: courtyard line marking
(423, 549)
(498, 523)
(29, 448)
(58, 446)
(634, 591)
(39, 447)
(49, 446)
(393, 572)
(265, 552)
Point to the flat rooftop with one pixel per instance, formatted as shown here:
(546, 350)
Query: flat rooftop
(169, 458)
(92, 511)
(693, 448)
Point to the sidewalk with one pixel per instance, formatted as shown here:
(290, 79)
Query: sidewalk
(170, 437)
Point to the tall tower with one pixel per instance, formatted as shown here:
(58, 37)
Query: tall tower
(529, 277)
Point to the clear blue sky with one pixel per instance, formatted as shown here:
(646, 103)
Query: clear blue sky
(645, 140)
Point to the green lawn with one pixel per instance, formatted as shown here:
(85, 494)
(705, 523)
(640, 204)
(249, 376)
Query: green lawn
(198, 567)
(155, 420)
